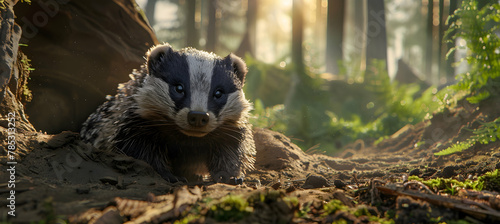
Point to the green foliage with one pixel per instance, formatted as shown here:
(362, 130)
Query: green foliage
(486, 133)
(230, 208)
(334, 113)
(489, 181)
(273, 118)
(461, 146)
(477, 26)
(188, 219)
(333, 206)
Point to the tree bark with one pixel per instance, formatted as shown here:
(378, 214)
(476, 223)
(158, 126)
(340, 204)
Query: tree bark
(297, 36)
(430, 45)
(297, 52)
(192, 35)
(376, 42)
(334, 35)
(212, 26)
(248, 42)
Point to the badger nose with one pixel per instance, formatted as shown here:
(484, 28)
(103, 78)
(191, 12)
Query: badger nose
(197, 119)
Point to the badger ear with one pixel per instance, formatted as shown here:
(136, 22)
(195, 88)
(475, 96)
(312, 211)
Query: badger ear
(238, 65)
(156, 55)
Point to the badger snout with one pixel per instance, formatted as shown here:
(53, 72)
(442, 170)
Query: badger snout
(198, 119)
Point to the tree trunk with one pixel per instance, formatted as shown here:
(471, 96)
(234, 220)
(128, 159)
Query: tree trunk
(376, 42)
(212, 26)
(430, 45)
(297, 52)
(192, 35)
(297, 36)
(334, 35)
(248, 42)
(150, 11)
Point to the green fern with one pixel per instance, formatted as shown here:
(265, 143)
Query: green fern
(461, 146)
(487, 133)
(477, 27)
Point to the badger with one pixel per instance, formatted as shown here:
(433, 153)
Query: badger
(184, 113)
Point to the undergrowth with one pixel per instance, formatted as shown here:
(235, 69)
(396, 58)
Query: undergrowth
(319, 117)
(477, 27)
(488, 132)
(489, 181)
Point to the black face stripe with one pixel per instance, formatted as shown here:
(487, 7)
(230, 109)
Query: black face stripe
(225, 80)
(174, 70)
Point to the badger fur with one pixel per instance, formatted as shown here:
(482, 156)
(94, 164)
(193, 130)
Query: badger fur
(184, 113)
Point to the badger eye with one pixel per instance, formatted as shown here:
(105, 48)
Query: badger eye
(218, 94)
(179, 88)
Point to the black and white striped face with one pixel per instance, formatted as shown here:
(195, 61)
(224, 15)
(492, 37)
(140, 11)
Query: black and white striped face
(199, 91)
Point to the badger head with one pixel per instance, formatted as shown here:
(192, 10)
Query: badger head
(194, 91)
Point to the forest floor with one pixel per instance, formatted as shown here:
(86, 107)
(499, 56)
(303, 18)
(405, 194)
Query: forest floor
(60, 178)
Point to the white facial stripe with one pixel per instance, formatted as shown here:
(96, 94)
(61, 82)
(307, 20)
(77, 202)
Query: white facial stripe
(201, 65)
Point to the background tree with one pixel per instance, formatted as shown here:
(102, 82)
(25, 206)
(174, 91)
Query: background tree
(249, 39)
(297, 51)
(429, 52)
(212, 33)
(298, 36)
(334, 35)
(192, 34)
(376, 42)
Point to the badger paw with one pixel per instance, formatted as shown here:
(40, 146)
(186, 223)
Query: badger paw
(226, 178)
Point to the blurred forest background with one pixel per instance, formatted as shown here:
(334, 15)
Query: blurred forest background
(329, 72)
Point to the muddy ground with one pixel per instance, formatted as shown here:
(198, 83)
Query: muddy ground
(59, 178)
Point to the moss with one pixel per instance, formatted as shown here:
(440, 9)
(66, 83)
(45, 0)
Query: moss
(490, 181)
(230, 208)
(333, 206)
(23, 93)
(188, 219)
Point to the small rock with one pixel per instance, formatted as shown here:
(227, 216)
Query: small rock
(83, 190)
(276, 185)
(347, 155)
(429, 172)
(448, 172)
(339, 183)
(291, 189)
(314, 181)
(497, 155)
(415, 172)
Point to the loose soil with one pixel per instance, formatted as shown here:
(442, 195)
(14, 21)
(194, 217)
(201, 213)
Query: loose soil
(58, 177)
